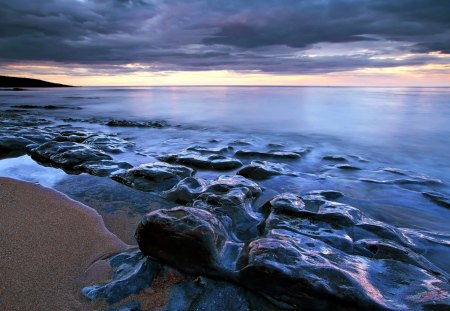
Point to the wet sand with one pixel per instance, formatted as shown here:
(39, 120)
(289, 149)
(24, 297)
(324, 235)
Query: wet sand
(48, 242)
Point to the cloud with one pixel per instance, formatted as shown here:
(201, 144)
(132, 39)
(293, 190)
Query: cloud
(290, 36)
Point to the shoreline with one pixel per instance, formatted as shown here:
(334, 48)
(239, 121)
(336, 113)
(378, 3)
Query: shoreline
(55, 243)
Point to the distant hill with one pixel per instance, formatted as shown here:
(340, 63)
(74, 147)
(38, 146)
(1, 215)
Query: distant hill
(25, 82)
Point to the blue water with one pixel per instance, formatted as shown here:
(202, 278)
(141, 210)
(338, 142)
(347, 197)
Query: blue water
(404, 128)
(407, 125)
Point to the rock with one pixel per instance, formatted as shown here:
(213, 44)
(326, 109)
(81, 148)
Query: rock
(206, 150)
(67, 154)
(157, 176)
(48, 107)
(311, 254)
(287, 203)
(335, 158)
(310, 274)
(234, 208)
(437, 198)
(241, 142)
(275, 146)
(103, 168)
(346, 167)
(327, 194)
(13, 145)
(228, 197)
(223, 184)
(191, 239)
(73, 136)
(275, 154)
(212, 161)
(189, 189)
(265, 169)
(130, 123)
(186, 191)
(108, 143)
(287, 211)
(132, 273)
(382, 249)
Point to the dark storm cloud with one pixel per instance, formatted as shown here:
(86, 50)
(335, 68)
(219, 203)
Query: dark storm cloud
(271, 36)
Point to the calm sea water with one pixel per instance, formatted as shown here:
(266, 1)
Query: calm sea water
(403, 128)
(405, 125)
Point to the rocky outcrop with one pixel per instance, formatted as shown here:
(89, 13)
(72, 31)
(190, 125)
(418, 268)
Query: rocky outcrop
(209, 161)
(108, 143)
(309, 253)
(67, 154)
(131, 273)
(191, 239)
(103, 168)
(157, 176)
(13, 145)
(265, 169)
(131, 123)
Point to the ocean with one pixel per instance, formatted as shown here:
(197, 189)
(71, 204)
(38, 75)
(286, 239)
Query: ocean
(383, 148)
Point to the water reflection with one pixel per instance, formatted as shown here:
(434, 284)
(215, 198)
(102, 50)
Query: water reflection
(24, 168)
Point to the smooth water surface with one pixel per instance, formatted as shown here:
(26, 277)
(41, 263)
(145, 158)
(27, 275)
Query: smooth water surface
(405, 126)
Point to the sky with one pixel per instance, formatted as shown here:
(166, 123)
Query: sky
(227, 42)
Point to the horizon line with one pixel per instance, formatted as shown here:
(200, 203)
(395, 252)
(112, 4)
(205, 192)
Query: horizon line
(266, 85)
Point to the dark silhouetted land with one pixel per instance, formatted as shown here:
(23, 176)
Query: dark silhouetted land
(6, 81)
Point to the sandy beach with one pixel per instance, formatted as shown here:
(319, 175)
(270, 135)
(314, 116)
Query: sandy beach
(48, 243)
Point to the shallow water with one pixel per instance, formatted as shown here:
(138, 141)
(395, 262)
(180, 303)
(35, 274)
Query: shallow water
(404, 128)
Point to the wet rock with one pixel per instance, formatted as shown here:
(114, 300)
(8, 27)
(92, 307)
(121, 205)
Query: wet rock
(287, 211)
(23, 120)
(265, 169)
(437, 198)
(335, 158)
(275, 146)
(37, 136)
(186, 191)
(382, 249)
(47, 107)
(228, 197)
(132, 272)
(74, 135)
(103, 168)
(306, 254)
(67, 154)
(13, 145)
(189, 189)
(347, 167)
(275, 154)
(108, 143)
(287, 203)
(157, 176)
(212, 161)
(234, 208)
(223, 184)
(191, 239)
(311, 274)
(214, 150)
(327, 194)
(130, 123)
(241, 142)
